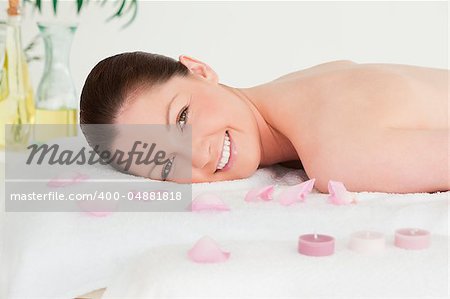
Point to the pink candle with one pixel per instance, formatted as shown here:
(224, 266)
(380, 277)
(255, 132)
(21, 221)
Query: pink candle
(316, 245)
(412, 238)
(367, 242)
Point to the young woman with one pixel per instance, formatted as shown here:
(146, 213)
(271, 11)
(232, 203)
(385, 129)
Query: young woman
(375, 127)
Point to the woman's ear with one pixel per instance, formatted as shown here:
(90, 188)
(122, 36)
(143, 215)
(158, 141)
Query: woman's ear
(199, 68)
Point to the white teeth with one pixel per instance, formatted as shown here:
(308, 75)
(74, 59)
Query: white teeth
(225, 152)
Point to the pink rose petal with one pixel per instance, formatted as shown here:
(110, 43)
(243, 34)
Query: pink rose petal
(99, 214)
(339, 194)
(66, 179)
(260, 193)
(206, 250)
(208, 202)
(98, 208)
(296, 193)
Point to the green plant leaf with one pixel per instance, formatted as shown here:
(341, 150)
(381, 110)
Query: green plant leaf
(79, 6)
(118, 12)
(130, 6)
(134, 5)
(122, 6)
(125, 7)
(55, 6)
(39, 5)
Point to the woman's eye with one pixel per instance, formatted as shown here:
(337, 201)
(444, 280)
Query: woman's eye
(166, 169)
(182, 118)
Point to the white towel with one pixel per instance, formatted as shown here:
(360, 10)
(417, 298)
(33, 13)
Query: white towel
(273, 269)
(62, 255)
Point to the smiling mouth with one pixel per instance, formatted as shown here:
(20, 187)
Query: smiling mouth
(225, 156)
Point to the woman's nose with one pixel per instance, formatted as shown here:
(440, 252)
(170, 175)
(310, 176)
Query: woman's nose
(201, 155)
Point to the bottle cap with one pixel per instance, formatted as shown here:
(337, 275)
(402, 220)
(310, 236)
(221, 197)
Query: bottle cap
(13, 9)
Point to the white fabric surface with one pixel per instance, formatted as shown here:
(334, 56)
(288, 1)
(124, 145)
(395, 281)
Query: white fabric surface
(61, 255)
(273, 269)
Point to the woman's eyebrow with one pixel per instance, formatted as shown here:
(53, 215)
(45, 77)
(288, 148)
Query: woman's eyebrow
(168, 109)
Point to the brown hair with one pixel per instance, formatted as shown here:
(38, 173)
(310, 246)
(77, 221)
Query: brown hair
(111, 82)
(114, 78)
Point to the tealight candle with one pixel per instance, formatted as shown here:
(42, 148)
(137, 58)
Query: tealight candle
(367, 242)
(412, 238)
(316, 245)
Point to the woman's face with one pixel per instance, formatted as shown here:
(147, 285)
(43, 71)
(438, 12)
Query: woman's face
(215, 114)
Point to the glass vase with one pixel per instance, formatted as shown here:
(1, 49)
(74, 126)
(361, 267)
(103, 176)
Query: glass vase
(56, 99)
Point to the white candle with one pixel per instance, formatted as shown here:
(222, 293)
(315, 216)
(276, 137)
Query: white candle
(367, 242)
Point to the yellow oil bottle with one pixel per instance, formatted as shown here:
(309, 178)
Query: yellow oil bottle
(17, 110)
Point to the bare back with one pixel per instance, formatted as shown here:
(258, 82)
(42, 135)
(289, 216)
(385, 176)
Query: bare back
(376, 127)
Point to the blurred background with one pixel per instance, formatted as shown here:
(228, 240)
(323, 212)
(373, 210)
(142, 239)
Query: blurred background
(247, 43)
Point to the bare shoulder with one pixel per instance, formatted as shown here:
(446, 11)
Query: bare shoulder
(333, 64)
(323, 67)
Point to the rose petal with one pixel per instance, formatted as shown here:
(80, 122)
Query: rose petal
(66, 179)
(99, 214)
(98, 208)
(206, 250)
(208, 202)
(79, 177)
(260, 193)
(296, 193)
(339, 194)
